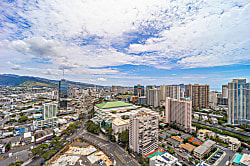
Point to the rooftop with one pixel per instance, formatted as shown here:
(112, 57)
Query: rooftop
(113, 104)
(195, 141)
(156, 152)
(237, 158)
(188, 147)
(177, 138)
(245, 160)
(203, 148)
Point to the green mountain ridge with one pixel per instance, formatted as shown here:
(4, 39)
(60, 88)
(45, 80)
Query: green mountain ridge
(37, 84)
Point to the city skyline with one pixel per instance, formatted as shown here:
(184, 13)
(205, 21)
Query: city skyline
(123, 43)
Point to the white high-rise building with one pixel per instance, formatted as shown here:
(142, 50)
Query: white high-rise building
(172, 91)
(143, 132)
(179, 112)
(153, 97)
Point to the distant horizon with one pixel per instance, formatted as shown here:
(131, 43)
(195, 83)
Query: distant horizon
(211, 89)
(127, 42)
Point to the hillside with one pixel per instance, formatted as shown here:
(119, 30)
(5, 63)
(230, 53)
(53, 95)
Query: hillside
(29, 81)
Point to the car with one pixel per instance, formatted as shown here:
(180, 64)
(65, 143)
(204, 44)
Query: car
(216, 156)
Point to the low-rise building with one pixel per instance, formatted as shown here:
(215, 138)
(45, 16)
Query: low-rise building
(233, 143)
(245, 160)
(203, 133)
(204, 149)
(188, 147)
(165, 159)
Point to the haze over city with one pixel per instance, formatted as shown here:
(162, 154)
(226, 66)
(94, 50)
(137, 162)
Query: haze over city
(127, 42)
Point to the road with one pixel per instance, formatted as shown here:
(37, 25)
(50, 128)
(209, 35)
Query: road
(228, 157)
(121, 157)
(17, 150)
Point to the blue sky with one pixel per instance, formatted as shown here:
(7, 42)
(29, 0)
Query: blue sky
(116, 42)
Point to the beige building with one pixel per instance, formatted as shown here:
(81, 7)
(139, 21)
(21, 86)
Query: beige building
(180, 113)
(199, 95)
(233, 143)
(143, 132)
(119, 125)
(203, 133)
(204, 149)
(172, 91)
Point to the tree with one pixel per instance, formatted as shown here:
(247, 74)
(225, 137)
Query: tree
(8, 146)
(22, 119)
(240, 149)
(48, 154)
(36, 151)
(124, 137)
(170, 150)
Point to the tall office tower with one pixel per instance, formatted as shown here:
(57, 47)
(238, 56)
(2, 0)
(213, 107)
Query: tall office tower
(239, 102)
(225, 91)
(153, 97)
(143, 132)
(172, 91)
(63, 94)
(199, 95)
(138, 90)
(179, 112)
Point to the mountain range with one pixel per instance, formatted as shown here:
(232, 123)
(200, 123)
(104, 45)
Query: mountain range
(30, 81)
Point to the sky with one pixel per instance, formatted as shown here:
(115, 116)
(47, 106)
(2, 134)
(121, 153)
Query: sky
(117, 42)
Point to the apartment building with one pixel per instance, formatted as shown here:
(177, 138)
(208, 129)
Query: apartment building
(49, 118)
(204, 149)
(179, 112)
(233, 143)
(199, 95)
(143, 132)
(153, 97)
(172, 91)
(203, 133)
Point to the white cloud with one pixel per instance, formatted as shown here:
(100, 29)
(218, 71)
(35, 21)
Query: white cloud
(84, 37)
(102, 79)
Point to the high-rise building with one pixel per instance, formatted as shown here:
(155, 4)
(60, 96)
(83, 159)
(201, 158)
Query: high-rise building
(117, 89)
(148, 87)
(225, 91)
(172, 91)
(199, 95)
(239, 102)
(138, 90)
(179, 112)
(213, 97)
(153, 97)
(49, 118)
(63, 94)
(143, 132)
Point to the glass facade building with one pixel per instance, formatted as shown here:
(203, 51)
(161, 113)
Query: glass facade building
(238, 102)
(139, 90)
(63, 94)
